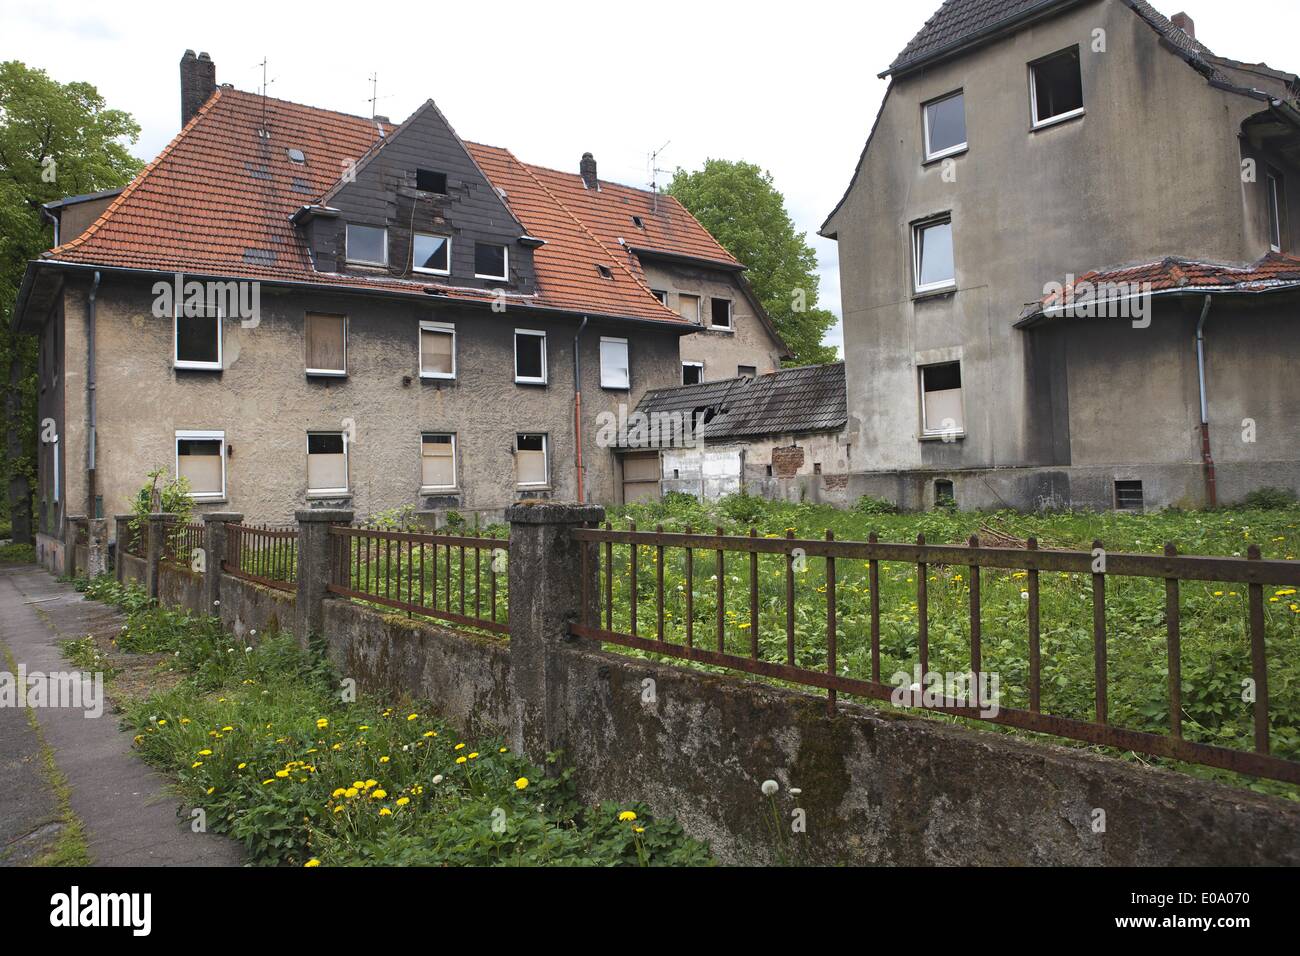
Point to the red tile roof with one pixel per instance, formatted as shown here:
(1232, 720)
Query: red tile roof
(218, 201)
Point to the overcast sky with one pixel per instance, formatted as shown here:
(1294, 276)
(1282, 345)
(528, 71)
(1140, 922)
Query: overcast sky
(791, 87)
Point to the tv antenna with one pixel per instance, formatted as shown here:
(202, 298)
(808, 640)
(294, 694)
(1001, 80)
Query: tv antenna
(265, 83)
(374, 93)
(655, 171)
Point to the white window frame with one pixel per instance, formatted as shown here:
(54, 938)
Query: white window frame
(347, 468)
(347, 252)
(731, 314)
(524, 379)
(455, 465)
(55, 445)
(177, 361)
(925, 125)
(627, 354)
(505, 262)
(218, 436)
(927, 432)
(918, 229)
(699, 365)
(445, 327)
(1037, 123)
(546, 458)
(431, 272)
(1273, 208)
(661, 295)
(329, 372)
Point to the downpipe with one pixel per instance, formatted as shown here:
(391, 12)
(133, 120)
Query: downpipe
(1207, 457)
(90, 396)
(577, 409)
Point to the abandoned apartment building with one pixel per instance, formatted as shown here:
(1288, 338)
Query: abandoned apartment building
(386, 317)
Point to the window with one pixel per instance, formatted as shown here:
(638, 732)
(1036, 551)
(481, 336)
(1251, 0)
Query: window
(614, 368)
(431, 254)
(490, 261)
(426, 180)
(531, 466)
(945, 126)
(688, 306)
(197, 336)
(367, 244)
(944, 493)
(933, 265)
(746, 371)
(720, 313)
(327, 344)
(1273, 184)
(437, 350)
(941, 406)
(201, 459)
(327, 463)
(660, 294)
(437, 462)
(1056, 87)
(605, 272)
(530, 357)
(692, 373)
(638, 222)
(1128, 496)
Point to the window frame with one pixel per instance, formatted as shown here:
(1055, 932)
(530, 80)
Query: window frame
(455, 464)
(731, 314)
(347, 468)
(347, 244)
(918, 228)
(200, 435)
(325, 372)
(961, 147)
(178, 362)
(627, 356)
(527, 379)
(446, 328)
(699, 365)
(421, 269)
(751, 375)
(1035, 122)
(1273, 208)
(661, 295)
(505, 262)
(546, 460)
(933, 434)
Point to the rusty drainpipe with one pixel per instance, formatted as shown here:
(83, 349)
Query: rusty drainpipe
(577, 409)
(1211, 489)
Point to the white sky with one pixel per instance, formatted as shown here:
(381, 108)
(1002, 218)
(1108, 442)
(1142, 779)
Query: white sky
(790, 87)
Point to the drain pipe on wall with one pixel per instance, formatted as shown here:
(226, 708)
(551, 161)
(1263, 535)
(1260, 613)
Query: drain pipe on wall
(90, 396)
(577, 409)
(1211, 490)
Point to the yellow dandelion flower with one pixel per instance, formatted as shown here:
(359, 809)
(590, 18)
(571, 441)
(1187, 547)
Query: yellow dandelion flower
(403, 801)
(385, 812)
(379, 794)
(351, 792)
(412, 716)
(312, 862)
(521, 783)
(383, 760)
(459, 747)
(460, 760)
(626, 816)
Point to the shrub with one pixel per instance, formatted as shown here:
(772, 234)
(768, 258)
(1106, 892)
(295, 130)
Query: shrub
(867, 505)
(743, 507)
(17, 554)
(1269, 499)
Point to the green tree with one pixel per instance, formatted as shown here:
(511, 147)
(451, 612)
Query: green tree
(56, 140)
(737, 202)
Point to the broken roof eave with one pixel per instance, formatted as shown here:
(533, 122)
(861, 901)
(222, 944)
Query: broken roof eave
(1043, 316)
(666, 256)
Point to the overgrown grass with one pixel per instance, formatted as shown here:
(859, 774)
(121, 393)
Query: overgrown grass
(14, 553)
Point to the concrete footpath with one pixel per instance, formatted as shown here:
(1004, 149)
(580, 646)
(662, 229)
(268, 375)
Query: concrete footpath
(129, 816)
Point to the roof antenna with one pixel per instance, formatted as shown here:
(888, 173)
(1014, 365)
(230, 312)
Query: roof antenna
(265, 131)
(654, 173)
(374, 93)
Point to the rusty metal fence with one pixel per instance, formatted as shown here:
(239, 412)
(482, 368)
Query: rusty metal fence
(448, 577)
(708, 644)
(130, 539)
(181, 540)
(262, 554)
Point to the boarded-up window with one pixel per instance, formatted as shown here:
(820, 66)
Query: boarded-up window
(614, 371)
(437, 461)
(200, 460)
(437, 350)
(327, 462)
(327, 343)
(942, 406)
(530, 460)
(689, 307)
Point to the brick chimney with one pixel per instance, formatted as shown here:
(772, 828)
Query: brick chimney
(198, 82)
(588, 169)
(1184, 23)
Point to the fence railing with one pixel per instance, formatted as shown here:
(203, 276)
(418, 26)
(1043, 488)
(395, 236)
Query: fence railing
(181, 540)
(263, 555)
(448, 577)
(713, 638)
(130, 540)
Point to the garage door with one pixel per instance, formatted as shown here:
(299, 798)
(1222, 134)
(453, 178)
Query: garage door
(641, 476)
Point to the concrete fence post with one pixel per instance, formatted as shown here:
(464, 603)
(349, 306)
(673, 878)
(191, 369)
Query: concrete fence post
(216, 526)
(545, 574)
(96, 547)
(121, 534)
(71, 530)
(314, 567)
(155, 545)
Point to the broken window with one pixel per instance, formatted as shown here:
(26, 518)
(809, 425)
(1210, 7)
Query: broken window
(692, 373)
(530, 460)
(431, 254)
(367, 244)
(490, 261)
(720, 313)
(661, 295)
(747, 371)
(426, 180)
(945, 126)
(437, 350)
(1274, 186)
(614, 367)
(933, 263)
(941, 406)
(327, 463)
(530, 357)
(944, 493)
(1056, 87)
(327, 337)
(201, 460)
(688, 306)
(197, 336)
(437, 462)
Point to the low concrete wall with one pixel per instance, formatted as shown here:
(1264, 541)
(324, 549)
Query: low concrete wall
(180, 587)
(247, 607)
(50, 553)
(133, 568)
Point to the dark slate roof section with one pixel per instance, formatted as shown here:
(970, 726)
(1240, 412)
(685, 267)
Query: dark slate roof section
(959, 22)
(787, 402)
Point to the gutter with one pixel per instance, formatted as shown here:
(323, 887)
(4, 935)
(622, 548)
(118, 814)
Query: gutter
(577, 409)
(91, 510)
(1211, 488)
(1038, 317)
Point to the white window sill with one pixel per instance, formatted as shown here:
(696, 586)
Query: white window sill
(342, 493)
(432, 272)
(934, 290)
(530, 381)
(943, 436)
(198, 366)
(367, 264)
(946, 154)
(533, 488)
(325, 373)
(454, 490)
(1058, 120)
(208, 499)
(492, 278)
(441, 376)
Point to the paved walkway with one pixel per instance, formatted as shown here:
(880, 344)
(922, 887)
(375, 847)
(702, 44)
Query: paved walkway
(129, 816)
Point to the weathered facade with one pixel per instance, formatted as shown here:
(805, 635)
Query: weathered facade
(1023, 144)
